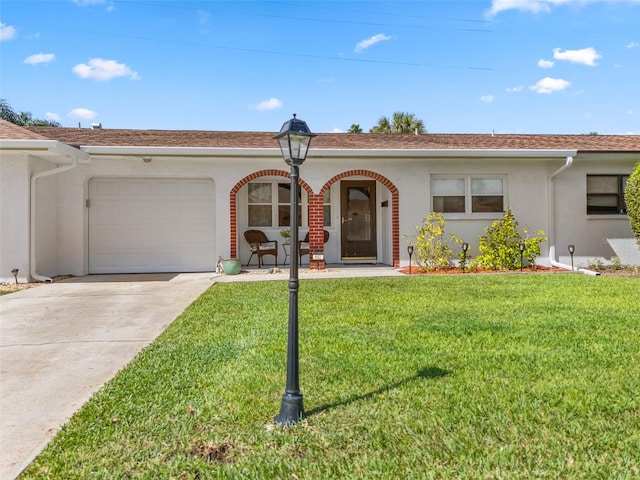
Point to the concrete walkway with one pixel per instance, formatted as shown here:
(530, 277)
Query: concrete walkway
(61, 342)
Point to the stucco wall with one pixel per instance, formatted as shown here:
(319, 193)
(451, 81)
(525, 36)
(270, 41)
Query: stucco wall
(588, 233)
(14, 216)
(62, 223)
(46, 220)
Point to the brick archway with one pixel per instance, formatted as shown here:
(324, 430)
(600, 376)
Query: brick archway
(395, 205)
(233, 210)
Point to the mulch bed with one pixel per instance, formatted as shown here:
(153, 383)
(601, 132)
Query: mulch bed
(605, 272)
(415, 270)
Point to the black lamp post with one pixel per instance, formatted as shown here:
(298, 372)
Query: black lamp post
(572, 249)
(521, 247)
(294, 139)
(465, 248)
(410, 252)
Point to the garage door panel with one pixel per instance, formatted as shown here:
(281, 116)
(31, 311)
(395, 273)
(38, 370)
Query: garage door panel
(106, 188)
(151, 225)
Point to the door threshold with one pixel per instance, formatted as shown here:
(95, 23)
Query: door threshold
(351, 260)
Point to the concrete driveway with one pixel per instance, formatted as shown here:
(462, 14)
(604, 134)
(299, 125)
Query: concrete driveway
(59, 343)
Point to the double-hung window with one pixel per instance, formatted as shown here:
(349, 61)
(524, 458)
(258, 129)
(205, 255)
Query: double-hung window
(467, 194)
(269, 204)
(605, 194)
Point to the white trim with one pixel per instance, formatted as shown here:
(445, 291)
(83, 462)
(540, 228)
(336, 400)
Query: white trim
(438, 153)
(329, 152)
(48, 149)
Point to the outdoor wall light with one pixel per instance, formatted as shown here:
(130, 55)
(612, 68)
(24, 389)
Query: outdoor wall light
(521, 247)
(572, 249)
(15, 274)
(465, 248)
(410, 252)
(294, 139)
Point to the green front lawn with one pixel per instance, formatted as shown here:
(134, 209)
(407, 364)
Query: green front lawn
(471, 377)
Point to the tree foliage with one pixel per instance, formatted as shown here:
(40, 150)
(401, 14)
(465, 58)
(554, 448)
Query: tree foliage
(23, 119)
(632, 199)
(400, 122)
(500, 248)
(355, 128)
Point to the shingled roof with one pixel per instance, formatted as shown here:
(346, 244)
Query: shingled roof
(431, 141)
(11, 131)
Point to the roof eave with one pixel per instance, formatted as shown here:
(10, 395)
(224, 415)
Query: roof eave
(326, 152)
(51, 150)
(181, 151)
(443, 152)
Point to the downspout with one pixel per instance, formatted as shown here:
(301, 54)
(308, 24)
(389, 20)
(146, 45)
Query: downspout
(34, 179)
(552, 223)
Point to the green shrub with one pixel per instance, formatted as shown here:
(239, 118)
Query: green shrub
(499, 249)
(431, 248)
(632, 199)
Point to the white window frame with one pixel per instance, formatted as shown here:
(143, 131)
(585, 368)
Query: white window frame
(275, 204)
(468, 196)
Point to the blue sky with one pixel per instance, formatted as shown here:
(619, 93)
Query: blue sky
(481, 66)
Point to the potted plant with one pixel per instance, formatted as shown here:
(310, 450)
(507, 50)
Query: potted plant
(286, 234)
(231, 266)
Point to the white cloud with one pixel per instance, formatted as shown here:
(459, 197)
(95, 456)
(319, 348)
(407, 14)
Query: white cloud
(368, 42)
(39, 58)
(337, 130)
(534, 6)
(104, 70)
(487, 98)
(53, 117)
(633, 45)
(537, 6)
(517, 89)
(82, 113)
(7, 32)
(269, 104)
(550, 85)
(585, 56)
(542, 63)
(90, 3)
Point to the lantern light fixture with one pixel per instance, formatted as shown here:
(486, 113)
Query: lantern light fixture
(521, 247)
(465, 249)
(572, 249)
(294, 139)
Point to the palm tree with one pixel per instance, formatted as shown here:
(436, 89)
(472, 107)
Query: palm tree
(7, 113)
(401, 122)
(24, 119)
(355, 128)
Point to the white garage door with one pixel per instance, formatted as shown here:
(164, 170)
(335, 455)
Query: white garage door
(140, 225)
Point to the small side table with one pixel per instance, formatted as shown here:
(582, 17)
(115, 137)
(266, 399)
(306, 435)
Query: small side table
(287, 249)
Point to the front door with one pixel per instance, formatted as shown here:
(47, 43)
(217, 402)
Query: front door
(358, 217)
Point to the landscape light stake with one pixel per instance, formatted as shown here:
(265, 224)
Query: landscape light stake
(15, 274)
(521, 246)
(572, 249)
(294, 139)
(410, 252)
(465, 247)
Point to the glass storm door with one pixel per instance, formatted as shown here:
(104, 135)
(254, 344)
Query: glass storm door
(358, 218)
